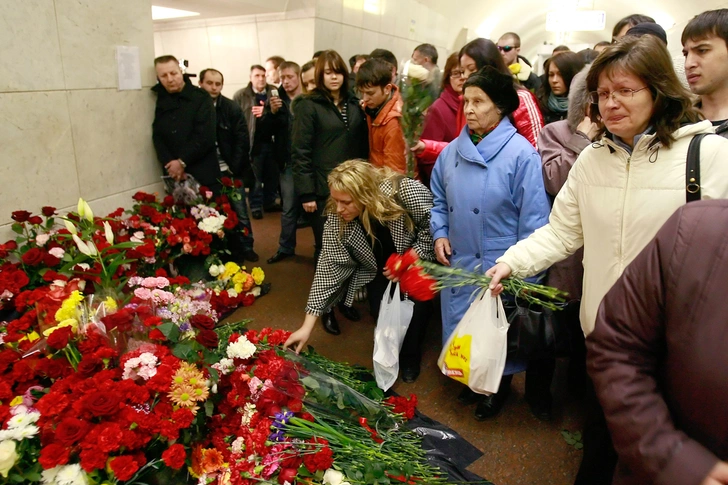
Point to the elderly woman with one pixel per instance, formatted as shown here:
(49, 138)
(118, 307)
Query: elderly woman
(371, 214)
(488, 194)
(624, 186)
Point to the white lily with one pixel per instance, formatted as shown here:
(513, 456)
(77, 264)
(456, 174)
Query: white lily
(87, 248)
(108, 232)
(84, 210)
(70, 226)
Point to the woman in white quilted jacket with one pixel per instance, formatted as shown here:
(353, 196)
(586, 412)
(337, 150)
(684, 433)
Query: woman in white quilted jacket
(625, 185)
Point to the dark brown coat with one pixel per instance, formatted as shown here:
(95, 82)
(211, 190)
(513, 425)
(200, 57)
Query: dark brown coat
(658, 353)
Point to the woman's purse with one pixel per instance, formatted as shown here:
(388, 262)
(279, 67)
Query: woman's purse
(535, 332)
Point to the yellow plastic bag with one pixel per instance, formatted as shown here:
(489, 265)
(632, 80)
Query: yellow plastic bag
(475, 353)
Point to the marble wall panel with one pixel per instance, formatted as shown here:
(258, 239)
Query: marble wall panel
(330, 10)
(388, 17)
(190, 44)
(233, 49)
(351, 42)
(327, 34)
(89, 31)
(37, 164)
(291, 39)
(112, 133)
(353, 12)
(29, 47)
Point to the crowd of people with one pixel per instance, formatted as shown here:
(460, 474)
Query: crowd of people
(571, 177)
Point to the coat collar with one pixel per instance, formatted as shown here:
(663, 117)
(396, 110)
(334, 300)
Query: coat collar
(392, 109)
(489, 147)
(188, 91)
(450, 98)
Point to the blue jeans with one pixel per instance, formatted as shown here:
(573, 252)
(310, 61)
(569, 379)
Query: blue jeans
(291, 209)
(244, 233)
(265, 169)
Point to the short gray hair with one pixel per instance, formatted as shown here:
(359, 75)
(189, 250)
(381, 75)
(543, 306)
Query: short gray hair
(578, 99)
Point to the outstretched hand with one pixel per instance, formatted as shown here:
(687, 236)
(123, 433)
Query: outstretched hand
(497, 273)
(298, 339)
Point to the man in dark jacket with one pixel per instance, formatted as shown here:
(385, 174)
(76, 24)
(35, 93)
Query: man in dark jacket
(509, 46)
(657, 355)
(705, 45)
(184, 127)
(266, 115)
(233, 148)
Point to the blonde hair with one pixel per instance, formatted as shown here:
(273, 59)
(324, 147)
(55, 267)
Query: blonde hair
(361, 180)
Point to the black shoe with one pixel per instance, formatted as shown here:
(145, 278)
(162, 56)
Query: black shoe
(541, 410)
(265, 289)
(251, 256)
(273, 208)
(410, 374)
(278, 256)
(330, 324)
(256, 214)
(491, 405)
(349, 312)
(468, 397)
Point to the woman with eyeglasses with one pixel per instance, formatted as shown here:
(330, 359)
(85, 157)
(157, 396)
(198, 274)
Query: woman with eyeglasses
(527, 119)
(553, 95)
(441, 121)
(620, 191)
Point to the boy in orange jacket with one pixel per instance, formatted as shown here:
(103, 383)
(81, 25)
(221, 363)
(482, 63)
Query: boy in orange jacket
(383, 105)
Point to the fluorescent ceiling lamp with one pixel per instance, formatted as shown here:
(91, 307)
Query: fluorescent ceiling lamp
(162, 13)
(575, 20)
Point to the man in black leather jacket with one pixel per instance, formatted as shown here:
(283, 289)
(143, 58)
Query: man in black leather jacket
(233, 153)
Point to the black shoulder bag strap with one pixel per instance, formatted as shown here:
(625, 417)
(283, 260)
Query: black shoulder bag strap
(692, 169)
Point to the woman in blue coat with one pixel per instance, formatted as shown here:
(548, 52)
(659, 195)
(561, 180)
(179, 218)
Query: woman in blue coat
(488, 194)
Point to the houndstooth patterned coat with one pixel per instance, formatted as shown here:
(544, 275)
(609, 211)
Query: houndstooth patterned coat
(347, 262)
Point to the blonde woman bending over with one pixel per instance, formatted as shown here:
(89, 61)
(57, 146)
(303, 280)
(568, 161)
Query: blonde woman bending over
(371, 214)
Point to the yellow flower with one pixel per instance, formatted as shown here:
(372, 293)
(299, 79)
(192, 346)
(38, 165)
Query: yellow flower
(240, 277)
(258, 275)
(238, 288)
(110, 304)
(230, 269)
(33, 336)
(69, 306)
(16, 400)
(70, 322)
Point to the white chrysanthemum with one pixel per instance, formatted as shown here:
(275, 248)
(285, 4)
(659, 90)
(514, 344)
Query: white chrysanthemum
(242, 349)
(26, 432)
(225, 366)
(212, 224)
(71, 475)
(49, 476)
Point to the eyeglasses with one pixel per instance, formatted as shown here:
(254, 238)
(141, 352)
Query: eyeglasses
(456, 74)
(507, 48)
(620, 95)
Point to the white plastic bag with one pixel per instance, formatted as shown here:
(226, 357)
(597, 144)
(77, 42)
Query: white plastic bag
(394, 319)
(475, 353)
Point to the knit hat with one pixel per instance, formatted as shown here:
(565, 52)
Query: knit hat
(498, 86)
(648, 28)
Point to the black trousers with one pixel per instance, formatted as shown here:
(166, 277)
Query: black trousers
(411, 352)
(599, 459)
(318, 219)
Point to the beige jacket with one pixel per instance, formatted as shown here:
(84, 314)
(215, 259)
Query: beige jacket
(613, 204)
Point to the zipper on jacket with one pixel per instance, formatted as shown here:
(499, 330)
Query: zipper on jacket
(624, 206)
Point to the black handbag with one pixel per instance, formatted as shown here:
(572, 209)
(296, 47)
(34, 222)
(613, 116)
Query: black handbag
(692, 169)
(534, 331)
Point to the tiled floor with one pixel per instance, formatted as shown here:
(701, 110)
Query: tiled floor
(518, 448)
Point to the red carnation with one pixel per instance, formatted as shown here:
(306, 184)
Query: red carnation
(124, 467)
(33, 257)
(20, 216)
(71, 430)
(59, 338)
(174, 456)
(287, 475)
(321, 460)
(398, 264)
(157, 335)
(202, 322)
(53, 455)
(48, 211)
(418, 285)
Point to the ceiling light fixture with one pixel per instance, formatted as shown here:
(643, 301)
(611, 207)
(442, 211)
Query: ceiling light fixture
(163, 13)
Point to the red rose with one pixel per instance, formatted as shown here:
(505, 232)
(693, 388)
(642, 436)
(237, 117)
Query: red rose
(168, 201)
(124, 467)
(226, 181)
(397, 264)
(20, 216)
(287, 475)
(53, 455)
(59, 338)
(33, 257)
(174, 456)
(202, 322)
(70, 431)
(48, 211)
(35, 220)
(157, 335)
(207, 338)
(50, 260)
(418, 285)
(102, 403)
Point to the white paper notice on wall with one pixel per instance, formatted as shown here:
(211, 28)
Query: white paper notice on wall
(127, 62)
